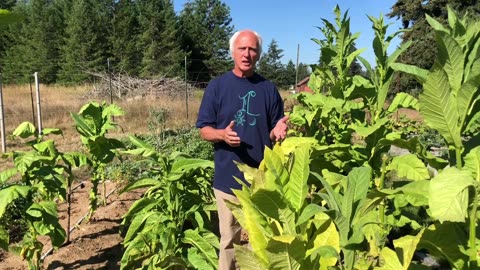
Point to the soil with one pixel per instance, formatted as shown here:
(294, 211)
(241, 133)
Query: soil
(95, 244)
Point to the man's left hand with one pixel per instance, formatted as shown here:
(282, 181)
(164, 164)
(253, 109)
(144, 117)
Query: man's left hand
(279, 132)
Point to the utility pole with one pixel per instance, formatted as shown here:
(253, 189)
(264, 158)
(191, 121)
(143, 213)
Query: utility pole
(296, 67)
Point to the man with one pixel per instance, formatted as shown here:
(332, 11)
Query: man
(241, 113)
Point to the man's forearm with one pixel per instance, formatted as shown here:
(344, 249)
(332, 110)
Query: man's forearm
(211, 134)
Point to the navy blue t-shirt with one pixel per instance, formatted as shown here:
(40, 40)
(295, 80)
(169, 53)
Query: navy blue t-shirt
(255, 106)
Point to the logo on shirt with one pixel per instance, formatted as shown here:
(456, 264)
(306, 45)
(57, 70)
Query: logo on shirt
(244, 115)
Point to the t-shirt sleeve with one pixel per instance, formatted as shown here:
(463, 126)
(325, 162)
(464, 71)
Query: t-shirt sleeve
(207, 114)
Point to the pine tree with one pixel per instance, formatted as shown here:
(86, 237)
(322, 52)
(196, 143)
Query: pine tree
(7, 5)
(126, 55)
(270, 66)
(159, 40)
(86, 42)
(206, 29)
(303, 71)
(34, 43)
(290, 74)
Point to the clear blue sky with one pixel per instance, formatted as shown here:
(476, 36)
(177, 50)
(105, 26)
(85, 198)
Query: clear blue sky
(293, 22)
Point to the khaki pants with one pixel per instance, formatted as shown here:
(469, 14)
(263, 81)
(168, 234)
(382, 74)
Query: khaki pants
(230, 231)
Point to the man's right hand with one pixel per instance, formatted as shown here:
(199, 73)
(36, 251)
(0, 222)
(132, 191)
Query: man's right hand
(230, 136)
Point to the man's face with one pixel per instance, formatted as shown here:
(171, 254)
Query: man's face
(245, 53)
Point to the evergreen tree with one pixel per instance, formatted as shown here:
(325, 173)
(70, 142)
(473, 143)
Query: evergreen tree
(8, 5)
(303, 71)
(290, 74)
(34, 42)
(206, 29)
(159, 41)
(86, 42)
(269, 65)
(412, 15)
(125, 34)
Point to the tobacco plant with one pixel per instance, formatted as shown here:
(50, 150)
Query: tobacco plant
(286, 230)
(38, 179)
(93, 122)
(450, 104)
(169, 227)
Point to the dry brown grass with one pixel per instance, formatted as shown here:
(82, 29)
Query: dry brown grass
(58, 101)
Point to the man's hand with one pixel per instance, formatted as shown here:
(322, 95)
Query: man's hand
(279, 132)
(230, 136)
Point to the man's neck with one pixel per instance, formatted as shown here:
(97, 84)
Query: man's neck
(242, 74)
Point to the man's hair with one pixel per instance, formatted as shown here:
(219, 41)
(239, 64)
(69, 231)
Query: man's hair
(235, 36)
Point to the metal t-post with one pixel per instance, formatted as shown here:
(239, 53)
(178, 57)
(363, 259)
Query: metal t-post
(2, 119)
(39, 111)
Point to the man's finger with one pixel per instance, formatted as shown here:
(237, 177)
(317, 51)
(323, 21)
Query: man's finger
(231, 125)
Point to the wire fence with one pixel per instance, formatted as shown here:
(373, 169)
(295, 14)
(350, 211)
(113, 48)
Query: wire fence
(51, 105)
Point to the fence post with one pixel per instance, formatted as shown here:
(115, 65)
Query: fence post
(39, 110)
(2, 119)
(31, 101)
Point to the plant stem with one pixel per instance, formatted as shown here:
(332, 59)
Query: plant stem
(458, 156)
(380, 186)
(472, 233)
(69, 207)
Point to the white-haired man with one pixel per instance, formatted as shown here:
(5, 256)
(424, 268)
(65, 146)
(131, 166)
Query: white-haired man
(241, 113)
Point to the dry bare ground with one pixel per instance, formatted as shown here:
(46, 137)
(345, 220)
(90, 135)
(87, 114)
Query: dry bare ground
(95, 244)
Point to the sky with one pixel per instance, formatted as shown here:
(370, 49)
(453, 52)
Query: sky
(293, 23)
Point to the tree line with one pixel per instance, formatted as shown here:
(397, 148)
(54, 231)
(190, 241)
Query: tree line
(63, 40)
(67, 40)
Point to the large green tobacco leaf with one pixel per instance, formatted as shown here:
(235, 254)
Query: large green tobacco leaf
(438, 106)
(203, 248)
(287, 253)
(76, 159)
(82, 127)
(184, 165)
(137, 225)
(144, 205)
(10, 194)
(295, 189)
(472, 162)
(273, 205)
(467, 94)
(291, 143)
(419, 73)
(410, 167)
(416, 192)
(403, 100)
(449, 195)
(275, 175)
(450, 57)
(254, 223)
(46, 221)
(141, 148)
(401, 258)
(358, 182)
(247, 259)
(446, 241)
(7, 174)
(24, 130)
(325, 236)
